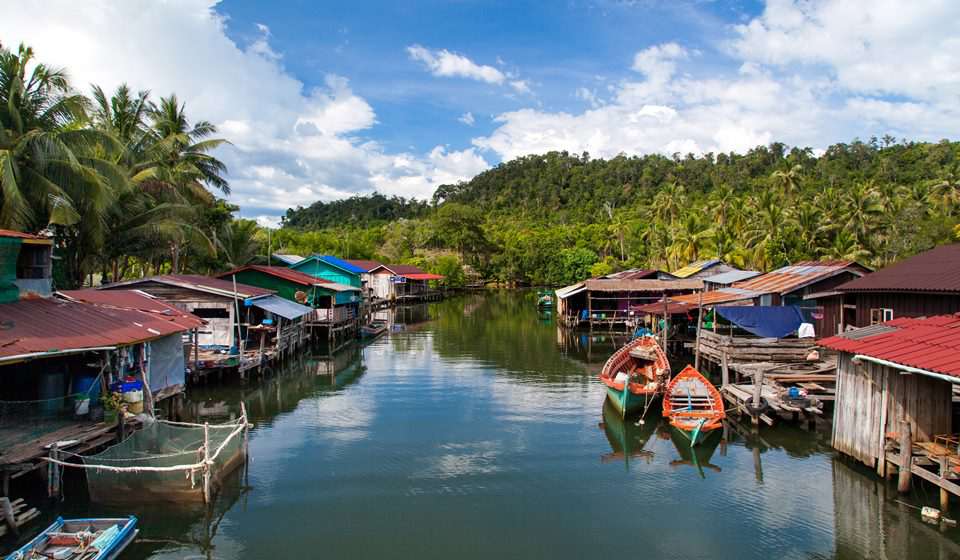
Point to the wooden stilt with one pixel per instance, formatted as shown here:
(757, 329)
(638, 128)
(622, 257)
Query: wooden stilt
(206, 465)
(944, 494)
(906, 458)
(696, 359)
(724, 371)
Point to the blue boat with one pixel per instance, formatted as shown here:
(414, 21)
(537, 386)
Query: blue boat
(76, 539)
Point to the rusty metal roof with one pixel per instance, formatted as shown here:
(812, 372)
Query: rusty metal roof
(366, 266)
(283, 272)
(790, 278)
(642, 285)
(49, 326)
(931, 344)
(403, 269)
(196, 282)
(937, 270)
(633, 274)
(135, 300)
(781, 281)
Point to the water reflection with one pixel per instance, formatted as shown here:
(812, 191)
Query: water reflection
(473, 430)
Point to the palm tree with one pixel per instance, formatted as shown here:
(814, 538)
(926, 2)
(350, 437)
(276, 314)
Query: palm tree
(238, 244)
(788, 180)
(39, 144)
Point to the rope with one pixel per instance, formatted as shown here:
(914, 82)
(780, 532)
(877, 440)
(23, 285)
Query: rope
(240, 427)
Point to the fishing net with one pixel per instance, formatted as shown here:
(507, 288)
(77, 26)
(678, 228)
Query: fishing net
(129, 469)
(25, 420)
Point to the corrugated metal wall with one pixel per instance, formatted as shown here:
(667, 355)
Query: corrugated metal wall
(903, 305)
(873, 400)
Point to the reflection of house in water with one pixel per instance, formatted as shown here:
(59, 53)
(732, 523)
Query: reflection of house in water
(403, 316)
(865, 508)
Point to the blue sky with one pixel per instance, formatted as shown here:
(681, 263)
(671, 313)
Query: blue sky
(323, 100)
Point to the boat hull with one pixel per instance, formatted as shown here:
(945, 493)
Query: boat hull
(627, 403)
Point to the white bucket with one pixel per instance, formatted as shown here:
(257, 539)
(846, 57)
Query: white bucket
(133, 396)
(81, 407)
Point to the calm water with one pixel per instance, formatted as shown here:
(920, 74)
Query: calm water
(476, 430)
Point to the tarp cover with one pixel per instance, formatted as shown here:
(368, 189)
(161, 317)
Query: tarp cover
(9, 250)
(282, 307)
(166, 363)
(766, 321)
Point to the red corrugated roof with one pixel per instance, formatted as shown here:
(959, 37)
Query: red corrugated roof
(22, 235)
(930, 343)
(937, 270)
(294, 276)
(135, 300)
(403, 269)
(367, 266)
(50, 325)
(424, 276)
(196, 282)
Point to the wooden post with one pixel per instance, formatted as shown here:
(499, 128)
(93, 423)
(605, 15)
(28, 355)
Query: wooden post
(724, 371)
(944, 495)
(196, 349)
(590, 309)
(206, 465)
(9, 516)
(757, 395)
(246, 444)
(906, 458)
(665, 323)
(53, 473)
(696, 359)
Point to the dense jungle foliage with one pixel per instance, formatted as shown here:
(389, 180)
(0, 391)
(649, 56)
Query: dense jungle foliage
(559, 217)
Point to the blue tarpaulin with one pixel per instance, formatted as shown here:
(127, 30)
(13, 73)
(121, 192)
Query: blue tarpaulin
(766, 321)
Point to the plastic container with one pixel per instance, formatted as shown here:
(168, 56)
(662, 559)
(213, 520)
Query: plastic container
(127, 385)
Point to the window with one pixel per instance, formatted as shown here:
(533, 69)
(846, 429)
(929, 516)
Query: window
(880, 315)
(211, 313)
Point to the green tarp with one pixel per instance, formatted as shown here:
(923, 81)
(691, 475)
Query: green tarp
(9, 251)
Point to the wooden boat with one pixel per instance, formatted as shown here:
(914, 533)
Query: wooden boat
(80, 539)
(544, 299)
(374, 329)
(635, 375)
(693, 405)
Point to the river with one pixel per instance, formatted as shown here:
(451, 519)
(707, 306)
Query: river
(475, 429)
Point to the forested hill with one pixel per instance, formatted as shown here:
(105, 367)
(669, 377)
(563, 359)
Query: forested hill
(559, 217)
(361, 211)
(579, 188)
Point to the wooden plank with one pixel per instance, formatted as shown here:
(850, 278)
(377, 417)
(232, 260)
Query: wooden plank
(923, 473)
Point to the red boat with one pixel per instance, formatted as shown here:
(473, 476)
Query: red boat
(635, 374)
(693, 405)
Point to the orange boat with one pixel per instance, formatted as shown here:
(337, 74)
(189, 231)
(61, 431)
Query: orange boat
(693, 405)
(635, 375)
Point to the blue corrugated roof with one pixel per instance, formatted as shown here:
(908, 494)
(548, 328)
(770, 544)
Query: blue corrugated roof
(340, 263)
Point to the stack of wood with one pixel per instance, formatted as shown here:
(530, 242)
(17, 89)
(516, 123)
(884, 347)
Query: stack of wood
(16, 514)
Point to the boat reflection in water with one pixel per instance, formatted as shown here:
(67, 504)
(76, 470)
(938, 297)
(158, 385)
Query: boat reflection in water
(628, 439)
(697, 456)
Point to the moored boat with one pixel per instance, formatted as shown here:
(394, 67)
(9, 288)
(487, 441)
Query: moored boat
(374, 329)
(545, 299)
(76, 539)
(635, 375)
(693, 405)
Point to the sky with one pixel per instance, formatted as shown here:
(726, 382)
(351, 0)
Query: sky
(323, 100)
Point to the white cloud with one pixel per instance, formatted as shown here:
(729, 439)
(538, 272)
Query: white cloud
(290, 145)
(811, 73)
(880, 47)
(443, 63)
(467, 118)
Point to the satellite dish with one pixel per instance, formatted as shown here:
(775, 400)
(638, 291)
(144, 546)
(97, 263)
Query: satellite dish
(300, 296)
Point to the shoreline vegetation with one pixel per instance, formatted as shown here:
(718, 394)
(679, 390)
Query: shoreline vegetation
(129, 186)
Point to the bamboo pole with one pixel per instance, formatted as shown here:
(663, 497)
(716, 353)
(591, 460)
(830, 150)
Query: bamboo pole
(664, 334)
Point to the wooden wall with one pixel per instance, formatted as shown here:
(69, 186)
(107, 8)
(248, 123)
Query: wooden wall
(903, 305)
(873, 400)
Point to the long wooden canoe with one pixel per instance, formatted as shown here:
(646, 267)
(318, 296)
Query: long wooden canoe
(635, 375)
(693, 405)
